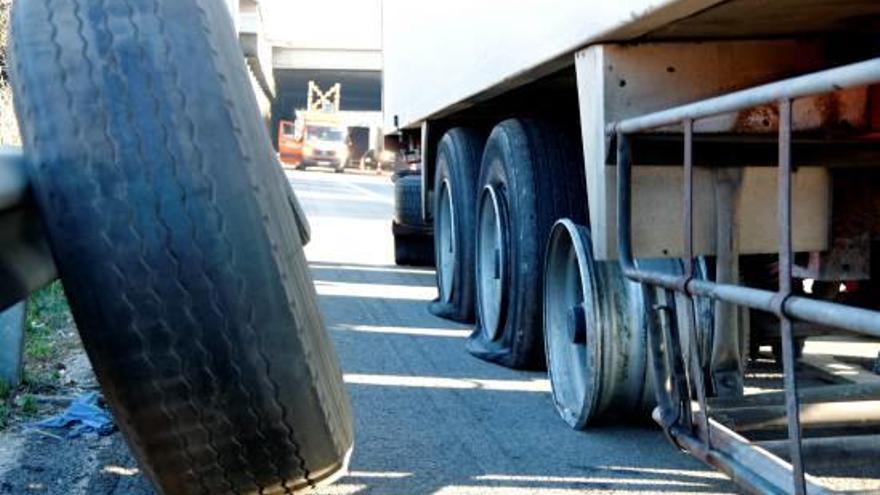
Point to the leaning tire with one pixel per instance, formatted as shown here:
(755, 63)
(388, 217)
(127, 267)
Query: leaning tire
(458, 166)
(177, 244)
(531, 175)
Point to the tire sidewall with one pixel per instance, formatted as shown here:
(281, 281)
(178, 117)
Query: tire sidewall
(508, 168)
(407, 192)
(454, 172)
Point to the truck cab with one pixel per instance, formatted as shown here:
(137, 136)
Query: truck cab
(325, 145)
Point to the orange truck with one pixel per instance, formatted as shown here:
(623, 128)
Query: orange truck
(290, 143)
(319, 135)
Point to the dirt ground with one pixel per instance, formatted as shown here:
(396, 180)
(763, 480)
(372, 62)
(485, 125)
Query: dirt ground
(36, 460)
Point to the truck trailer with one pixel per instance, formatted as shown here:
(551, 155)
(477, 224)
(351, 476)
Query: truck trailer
(650, 196)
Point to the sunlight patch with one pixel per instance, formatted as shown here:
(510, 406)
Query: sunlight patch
(378, 474)
(369, 268)
(414, 331)
(538, 385)
(377, 291)
(515, 478)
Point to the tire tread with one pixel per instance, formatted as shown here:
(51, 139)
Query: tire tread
(219, 398)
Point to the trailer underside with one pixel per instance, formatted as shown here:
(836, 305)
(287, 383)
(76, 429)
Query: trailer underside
(771, 185)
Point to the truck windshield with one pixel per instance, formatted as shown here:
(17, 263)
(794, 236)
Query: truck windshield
(325, 133)
(288, 129)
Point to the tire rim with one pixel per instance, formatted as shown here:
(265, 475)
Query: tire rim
(491, 261)
(446, 243)
(568, 315)
(594, 330)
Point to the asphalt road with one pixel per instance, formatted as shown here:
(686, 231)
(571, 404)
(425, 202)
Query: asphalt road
(431, 419)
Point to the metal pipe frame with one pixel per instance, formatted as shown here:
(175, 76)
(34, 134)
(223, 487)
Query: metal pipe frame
(26, 263)
(753, 468)
(13, 181)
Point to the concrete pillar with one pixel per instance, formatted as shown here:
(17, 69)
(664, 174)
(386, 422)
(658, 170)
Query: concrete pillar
(12, 343)
(234, 11)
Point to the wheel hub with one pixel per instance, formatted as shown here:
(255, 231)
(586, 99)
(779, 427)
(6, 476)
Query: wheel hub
(577, 324)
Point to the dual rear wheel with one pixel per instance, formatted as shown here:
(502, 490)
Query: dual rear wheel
(530, 176)
(458, 162)
(512, 249)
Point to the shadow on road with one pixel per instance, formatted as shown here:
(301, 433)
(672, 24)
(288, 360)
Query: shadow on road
(431, 419)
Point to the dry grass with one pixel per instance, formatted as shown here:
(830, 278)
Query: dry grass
(4, 17)
(8, 127)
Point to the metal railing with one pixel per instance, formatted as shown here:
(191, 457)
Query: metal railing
(688, 424)
(13, 181)
(26, 263)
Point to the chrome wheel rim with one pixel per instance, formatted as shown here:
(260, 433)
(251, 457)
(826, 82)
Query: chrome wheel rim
(446, 250)
(568, 316)
(491, 262)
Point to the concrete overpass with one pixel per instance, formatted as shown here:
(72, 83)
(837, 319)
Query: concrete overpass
(290, 42)
(328, 41)
(248, 19)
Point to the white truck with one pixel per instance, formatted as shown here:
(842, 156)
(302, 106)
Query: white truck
(644, 196)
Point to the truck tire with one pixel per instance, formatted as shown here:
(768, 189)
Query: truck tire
(177, 244)
(408, 201)
(412, 249)
(413, 242)
(454, 212)
(531, 176)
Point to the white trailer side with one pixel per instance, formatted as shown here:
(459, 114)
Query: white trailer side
(441, 56)
(444, 60)
(529, 120)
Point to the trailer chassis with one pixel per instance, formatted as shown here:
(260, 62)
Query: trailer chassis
(682, 409)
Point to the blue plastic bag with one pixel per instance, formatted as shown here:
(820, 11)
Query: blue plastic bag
(84, 415)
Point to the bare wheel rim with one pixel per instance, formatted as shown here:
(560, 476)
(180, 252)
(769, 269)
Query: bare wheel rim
(446, 243)
(567, 313)
(491, 245)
